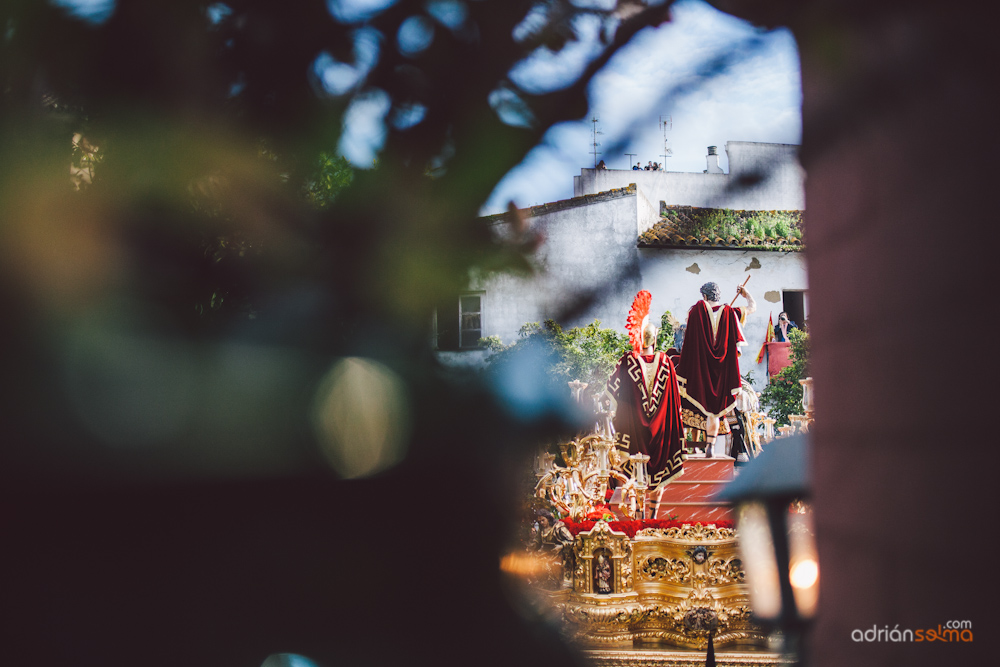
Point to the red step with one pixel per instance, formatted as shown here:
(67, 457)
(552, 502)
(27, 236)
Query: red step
(689, 496)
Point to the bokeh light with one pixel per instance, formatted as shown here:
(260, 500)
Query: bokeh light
(804, 574)
(362, 417)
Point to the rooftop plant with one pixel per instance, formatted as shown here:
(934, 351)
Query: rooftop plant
(726, 223)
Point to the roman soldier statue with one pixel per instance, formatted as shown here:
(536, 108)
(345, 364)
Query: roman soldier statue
(643, 388)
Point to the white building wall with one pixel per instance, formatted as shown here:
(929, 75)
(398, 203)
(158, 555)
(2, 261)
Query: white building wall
(592, 248)
(674, 277)
(782, 187)
(588, 249)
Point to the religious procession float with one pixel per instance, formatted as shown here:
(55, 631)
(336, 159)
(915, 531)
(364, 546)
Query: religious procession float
(629, 548)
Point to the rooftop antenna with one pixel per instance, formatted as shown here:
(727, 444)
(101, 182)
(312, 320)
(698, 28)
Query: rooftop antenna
(630, 156)
(596, 132)
(666, 124)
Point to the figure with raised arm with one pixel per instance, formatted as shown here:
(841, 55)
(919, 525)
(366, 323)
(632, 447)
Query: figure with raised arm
(709, 369)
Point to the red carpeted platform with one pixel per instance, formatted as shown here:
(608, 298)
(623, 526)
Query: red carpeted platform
(689, 496)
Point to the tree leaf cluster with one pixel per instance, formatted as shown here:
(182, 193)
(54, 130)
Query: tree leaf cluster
(332, 174)
(588, 353)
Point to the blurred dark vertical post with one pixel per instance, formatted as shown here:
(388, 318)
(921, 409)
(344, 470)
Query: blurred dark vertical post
(901, 250)
(899, 144)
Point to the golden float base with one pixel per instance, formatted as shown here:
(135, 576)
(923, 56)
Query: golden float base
(663, 658)
(664, 587)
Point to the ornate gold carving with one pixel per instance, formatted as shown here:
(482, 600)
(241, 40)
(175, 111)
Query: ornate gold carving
(725, 571)
(689, 581)
(586, 614)
(602, 657)
(694, 533)
(670, 569)
(616, 547)
(625, 569)
(686, 624)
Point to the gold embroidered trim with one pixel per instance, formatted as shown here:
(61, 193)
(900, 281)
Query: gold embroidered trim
(701, 407)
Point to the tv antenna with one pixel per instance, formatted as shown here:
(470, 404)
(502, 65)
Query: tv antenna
(666, 124)
(596, 132)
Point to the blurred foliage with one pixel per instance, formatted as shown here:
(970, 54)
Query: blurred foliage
(665, 335)
(783, 394)
(166, 327)
(333, 174)
(246, 119)
(588, 353)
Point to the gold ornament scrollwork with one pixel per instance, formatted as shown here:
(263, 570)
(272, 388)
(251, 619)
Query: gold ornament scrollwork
(672, 586)
(625, 568)
(693, 533)
(725, 571)
(669, 569)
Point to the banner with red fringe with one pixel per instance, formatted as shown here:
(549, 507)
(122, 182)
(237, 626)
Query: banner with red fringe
(768, 337)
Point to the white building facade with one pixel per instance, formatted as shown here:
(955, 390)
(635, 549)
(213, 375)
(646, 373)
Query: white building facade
(762, 177)
(594, 257)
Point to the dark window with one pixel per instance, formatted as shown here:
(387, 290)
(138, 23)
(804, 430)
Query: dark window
(793, 303)
(446, 324)
(458, 322)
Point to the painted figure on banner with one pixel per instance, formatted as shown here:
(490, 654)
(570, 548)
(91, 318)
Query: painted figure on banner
(709, 369)
(645, 399)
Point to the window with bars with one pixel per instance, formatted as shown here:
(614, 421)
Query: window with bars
(470, 318)
(457, 322)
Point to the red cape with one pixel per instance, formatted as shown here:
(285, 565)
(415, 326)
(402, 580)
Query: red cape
(649, 422)
(709, 369)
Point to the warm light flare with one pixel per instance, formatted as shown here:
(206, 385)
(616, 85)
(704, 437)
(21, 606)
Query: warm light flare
(804, 574)
(757, 548)
(521, 564)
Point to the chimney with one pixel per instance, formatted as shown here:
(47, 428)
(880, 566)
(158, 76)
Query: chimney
(713, 161)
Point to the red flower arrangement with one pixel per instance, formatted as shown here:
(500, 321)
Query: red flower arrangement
(630, 528)
(599, 513)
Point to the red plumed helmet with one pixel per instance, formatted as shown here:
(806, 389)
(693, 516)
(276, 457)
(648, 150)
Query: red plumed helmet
(637, 318)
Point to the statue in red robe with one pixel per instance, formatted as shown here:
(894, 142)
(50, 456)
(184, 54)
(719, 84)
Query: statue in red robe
(647, 403)
(709, 367)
